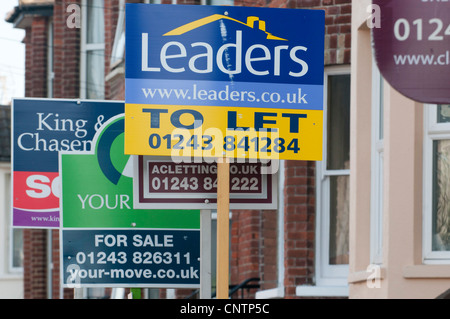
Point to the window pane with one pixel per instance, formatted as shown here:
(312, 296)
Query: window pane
(119, 48)
(220, 2)
(97, 293)
(17, 257)
(441, 195)
(95, 21)
(95, 74)
(377, 226)
(443, 113)
(338, 132)
(339, 219)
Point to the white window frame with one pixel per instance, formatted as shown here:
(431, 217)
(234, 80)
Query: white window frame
(433, 131)
(326, 274)
(330, 280)
(377, 169)
(85, 48)
(217, 2)
(118, 49)
(157, 1)
(7, 267)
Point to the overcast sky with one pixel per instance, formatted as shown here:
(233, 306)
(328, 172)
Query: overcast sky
(12, 56)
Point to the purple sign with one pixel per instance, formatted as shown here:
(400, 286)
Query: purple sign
(412, 48)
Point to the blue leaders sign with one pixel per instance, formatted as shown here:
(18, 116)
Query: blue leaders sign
(205, 64)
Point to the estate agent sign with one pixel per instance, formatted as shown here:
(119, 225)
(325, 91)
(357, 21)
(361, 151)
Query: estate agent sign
(215, 81)
(412, 48)
(40, 129)
(105, 240)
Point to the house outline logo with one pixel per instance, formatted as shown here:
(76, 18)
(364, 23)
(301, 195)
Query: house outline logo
(251, 22)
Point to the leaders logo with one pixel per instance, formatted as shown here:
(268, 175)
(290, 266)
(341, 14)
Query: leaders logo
(223, 44)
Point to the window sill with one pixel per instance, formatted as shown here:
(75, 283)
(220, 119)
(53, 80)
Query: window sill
(426, 271)
(361, 276)
(273, 293)
(11, 277)
(118, 71)
(321, 291)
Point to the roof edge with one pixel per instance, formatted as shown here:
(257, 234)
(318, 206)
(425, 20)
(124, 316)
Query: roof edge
(19, 13)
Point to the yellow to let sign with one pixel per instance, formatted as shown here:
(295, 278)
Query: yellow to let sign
(217, 131)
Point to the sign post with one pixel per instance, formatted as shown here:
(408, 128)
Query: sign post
(223, 231)
(205, 254)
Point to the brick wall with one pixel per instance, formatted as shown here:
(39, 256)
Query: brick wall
(254, 247)
(66, 50)
(299, 192)
(36, 58)
(35, 264)
(268, 249)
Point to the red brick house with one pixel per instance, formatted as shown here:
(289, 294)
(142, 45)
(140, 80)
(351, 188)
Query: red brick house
(299, 250)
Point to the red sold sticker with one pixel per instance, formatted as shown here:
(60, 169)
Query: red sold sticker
(36, 190)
